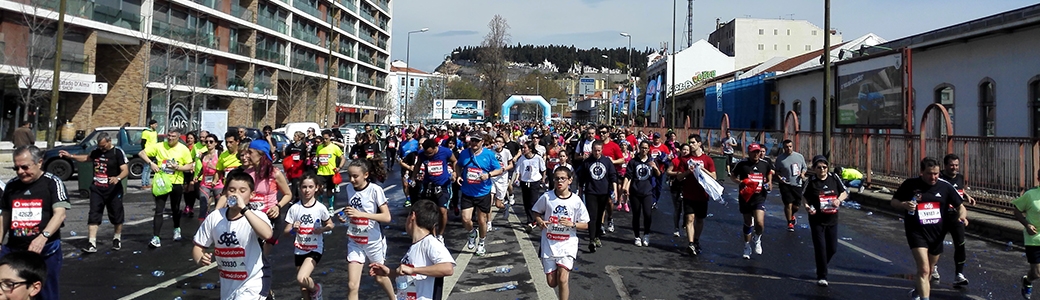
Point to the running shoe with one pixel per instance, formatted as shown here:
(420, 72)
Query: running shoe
(592, 247)
(627, 208)
(610, 225)
(155, 243)
(1027, 287)
(698, 246)
(480, 249)
(91, 249)
(489, 228)
(914, 295)
(758, 243)
(676, 234)
(646, 240)
(472, 239)
(935, 274)
(598, 242)
(116, 244)
(316, 293)
(790, 227)
(822, 282)
(618, 207)
(693, 250)
(960, 281)
(747, 250)
(794, 220)
(176, 234)
(639, 242)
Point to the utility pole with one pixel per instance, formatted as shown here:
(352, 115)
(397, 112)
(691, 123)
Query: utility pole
(52, 134)
(828, 125)
(671, 61)
(407, 70)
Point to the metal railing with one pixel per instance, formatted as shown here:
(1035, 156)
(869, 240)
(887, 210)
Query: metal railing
(270, 55)
(350, 5)
(240, 48)
(271, 22)
(115, 16)
(79, 8)
(304, 64)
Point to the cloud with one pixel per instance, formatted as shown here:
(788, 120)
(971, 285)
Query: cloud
(456, 33)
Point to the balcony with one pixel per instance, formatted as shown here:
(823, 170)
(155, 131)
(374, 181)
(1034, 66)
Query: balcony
(305, 7)
(114, 16)
(368, 16)
(79, 8)
(273, 56)
(380, 82)
(208, 3)
(240, 48)
(307, 36)
(385, 5)
(235, 83)
(271, 22)
(344, 73)
(305, 65)
(383, 25)
(363, 99)
(348, 26)
(368, 38)
(381, 63)
(381, 44)
(163, 74)
(206, 80)
(346, 49)
(262, 85)
(185, 34)
(241, 12)
(349, 4)
(365, 57)
(345, 97)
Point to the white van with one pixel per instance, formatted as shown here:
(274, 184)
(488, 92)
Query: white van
(292, 128)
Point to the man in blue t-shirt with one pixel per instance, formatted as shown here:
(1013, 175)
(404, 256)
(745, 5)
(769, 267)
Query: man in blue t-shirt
(434, 167)
(476, 166)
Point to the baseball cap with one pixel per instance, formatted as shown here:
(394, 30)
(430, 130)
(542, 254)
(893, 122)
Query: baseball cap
(754, 147)
(820, 158)
(262, 146)
(657, 135)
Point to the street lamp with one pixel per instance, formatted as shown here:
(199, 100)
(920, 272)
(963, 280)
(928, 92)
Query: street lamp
(629, 36)
(407, 69)
(610, 103)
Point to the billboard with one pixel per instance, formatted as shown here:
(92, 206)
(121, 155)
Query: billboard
(870, 93)
(459, 109)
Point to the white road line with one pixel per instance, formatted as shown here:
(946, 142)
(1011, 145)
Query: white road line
(461, 262)
(495, 254)
(865, 252)
(492, 269)
(168, 283)
(534, 264)
(133, 223)
(496, 242)
(486, 287)
(619, 284)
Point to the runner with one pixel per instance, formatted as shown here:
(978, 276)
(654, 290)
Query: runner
(106, 191)
(599, 181)
(500, 188)
(694, 197)
(235, 232)
(268, 183)
(612, 151)
(1027, 212)
(660, 153)
(435, 163)
(209, 187)
(790, 167)
(391, 151)
(148, 137)
(308, 219)
(560, 216)
(34, 205)
(427, 261)
(951, 174)
(924, 198)
(175, 159)
(294, 159)
(823, 194)
(728, 142)
(366, 210)
(191, 190)
(410, 184)
(532, 180)
(639, 185)
(754, 177)
(228, 159)
(328, 165)
(478, 166)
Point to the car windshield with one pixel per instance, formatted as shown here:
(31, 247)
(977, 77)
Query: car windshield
(91, 140)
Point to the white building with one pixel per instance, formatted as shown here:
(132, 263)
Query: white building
(404, 79)
(752, 41)
(700, 62)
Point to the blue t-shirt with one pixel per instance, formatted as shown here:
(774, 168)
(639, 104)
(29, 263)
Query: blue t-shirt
(410, 146)
(472, 167)
(436, 167)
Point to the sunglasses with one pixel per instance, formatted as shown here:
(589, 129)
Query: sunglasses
(24, 168)
(211, 142)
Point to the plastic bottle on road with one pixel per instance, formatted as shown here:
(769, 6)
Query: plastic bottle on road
(158, 273)
(501, 270)
(506, 288)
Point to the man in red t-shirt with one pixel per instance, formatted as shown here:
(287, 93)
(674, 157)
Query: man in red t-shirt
(694, 198)
(613, 151)
(631, 138)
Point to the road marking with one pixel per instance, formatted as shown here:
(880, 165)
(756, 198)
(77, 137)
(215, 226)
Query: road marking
(138, 222)
(168, 283)
(534, 264)
(486, 287)
(865, 252)
(492, 269)
(496, 242)
(461, 262)
(495, 254)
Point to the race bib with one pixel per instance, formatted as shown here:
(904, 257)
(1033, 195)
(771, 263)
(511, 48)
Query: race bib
(323, 159)
(436, 168)
(796, 170)
(296, 157)
(231, 262)
(369, 154)
(305, 240)
(101, 179)
(473, 175)
(26, 215)
(357, 230)
(827, 204)
(558, 232)
(757, 177)
(929, 213)
(654, 153)
(207, 178)
(257, 203)
(168, 166)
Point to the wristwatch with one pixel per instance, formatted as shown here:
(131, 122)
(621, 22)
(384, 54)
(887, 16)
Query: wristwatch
(46, 234)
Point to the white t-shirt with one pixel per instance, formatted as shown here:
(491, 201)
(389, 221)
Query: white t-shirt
(530, 168)
(557, 240)
(427, 252)
(237, 253)
(504, 157)
(363, 231)
(310, 218)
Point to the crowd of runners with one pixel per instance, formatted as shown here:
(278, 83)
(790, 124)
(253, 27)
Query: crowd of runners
(570, 179)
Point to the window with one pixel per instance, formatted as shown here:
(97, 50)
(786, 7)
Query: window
(783, 111)
(761, 47)
(775, 32)
(808, 47)
(797, 107)
(788, 47)
(987, 108)
(814, 32)
(1034, 103)
(774, 47)
(812, 114)
(402, 81)
(411, 81)
(788, 32)
(944, 97)
(761, 31)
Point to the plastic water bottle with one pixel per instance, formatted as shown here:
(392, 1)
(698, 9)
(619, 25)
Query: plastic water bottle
(158, 273)
(232, 200)
(403, 282)
(502, 270)
(73, 233)
(1010, 246)
(506, 288)
(208, 286)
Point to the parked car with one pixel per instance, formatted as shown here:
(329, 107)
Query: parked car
(128, 139)
(280, 141)
(251, 133)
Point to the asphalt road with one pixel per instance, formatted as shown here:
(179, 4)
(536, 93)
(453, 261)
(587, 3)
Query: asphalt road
(873, 261)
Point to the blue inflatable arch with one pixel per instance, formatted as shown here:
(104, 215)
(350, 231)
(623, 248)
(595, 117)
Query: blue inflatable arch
(522, 99)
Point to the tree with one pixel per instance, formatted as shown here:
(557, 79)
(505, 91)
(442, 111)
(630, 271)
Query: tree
(462, 89)
(422, 105)
(293, 91)
(491, 63)
(37, 58)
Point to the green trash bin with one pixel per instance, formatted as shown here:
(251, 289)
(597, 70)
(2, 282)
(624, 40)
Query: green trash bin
(85, 176)
(720, 167)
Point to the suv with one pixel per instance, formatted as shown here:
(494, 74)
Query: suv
(126, 138)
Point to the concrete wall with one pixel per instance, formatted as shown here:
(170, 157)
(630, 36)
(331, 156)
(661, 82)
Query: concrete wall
(804, 88)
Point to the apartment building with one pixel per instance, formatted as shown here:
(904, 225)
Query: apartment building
(752, 41)
(266, 62)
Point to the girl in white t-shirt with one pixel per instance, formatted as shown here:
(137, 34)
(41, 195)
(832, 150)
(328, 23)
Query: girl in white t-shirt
(366, 209)
(426, 260)
(560, 213)
(309, 219)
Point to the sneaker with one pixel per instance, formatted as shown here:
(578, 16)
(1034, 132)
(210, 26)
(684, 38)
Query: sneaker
(472, 239)
(406, 204)
(610, 226)
(747, 250)
(91, 249)
(188, 212)
(480, 249)
(597, 242)
(790, 227)
(646, 240)
(116, 244)
(935, 274)
(698, 247)
(1027, 287)
(794, 220)
(489, 227)
(176, 234)
(592, 247)
(960, 281)
(639, 242)
(676, 234)
(618, 207)
(758, 244)
(822, 282)
(693, 250)
(316, 293)
(155, 243)
(627, 209)
(914, 295)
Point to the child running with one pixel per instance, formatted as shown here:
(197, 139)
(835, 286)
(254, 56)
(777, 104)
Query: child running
(366, 209)
(235, 231)
(426, 260)
(309, 218)
(560, 216)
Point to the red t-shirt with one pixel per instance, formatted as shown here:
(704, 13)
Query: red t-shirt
(658, 150)
(631, 138)
(612, 150)
(691, 188)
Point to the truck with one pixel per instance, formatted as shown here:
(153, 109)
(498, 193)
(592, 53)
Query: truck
(126, 138)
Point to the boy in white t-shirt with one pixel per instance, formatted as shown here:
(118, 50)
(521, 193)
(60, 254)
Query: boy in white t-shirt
(426, 261)
(235, 232)
(309, 218)
(560, 213)
(366, 209)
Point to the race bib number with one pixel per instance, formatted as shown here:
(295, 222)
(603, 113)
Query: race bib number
(207, 178)
(556, 231)
(305, 240)
(168, 166)
(257, 203)
(827, 204)
(473, 175)
(323, 159)
(369, 154)
(929, 213)
(231, 262)
(101, 179)
(357, 230)
(25, 216)
(436, 168)
(757, 177)
(296, 157)
(796, 170)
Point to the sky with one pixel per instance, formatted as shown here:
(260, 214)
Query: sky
(598, 23)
